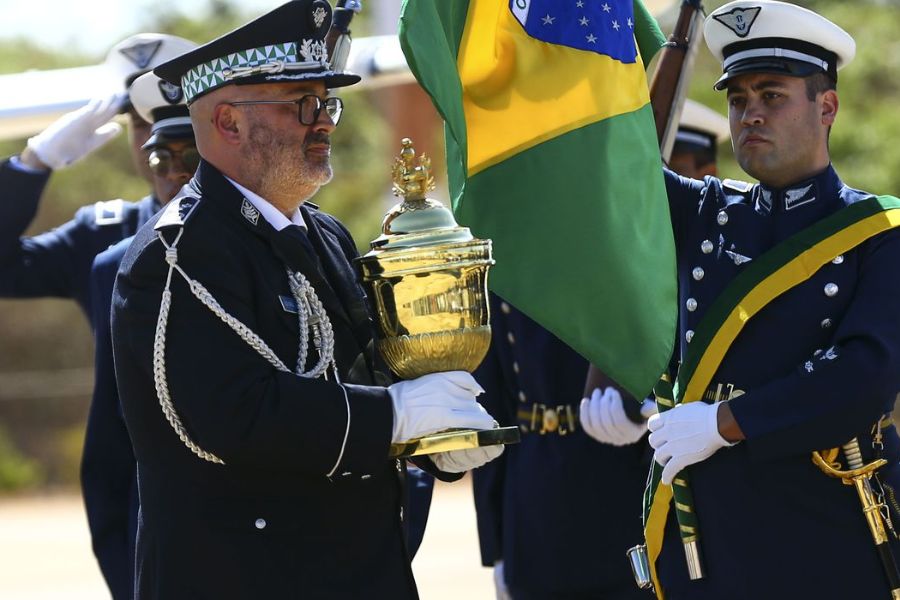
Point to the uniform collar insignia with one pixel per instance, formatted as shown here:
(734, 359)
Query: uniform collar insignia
(799, 196)
(141, 54)
(739, 20)
(764, 201)
(786, 199)
(249, 211)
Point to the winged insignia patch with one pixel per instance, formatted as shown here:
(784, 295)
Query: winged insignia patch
(739, 20)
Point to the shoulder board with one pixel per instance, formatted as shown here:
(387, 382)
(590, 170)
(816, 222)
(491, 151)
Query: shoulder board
(739, 186)
(177, 212)
(311, 205)
(109, 212)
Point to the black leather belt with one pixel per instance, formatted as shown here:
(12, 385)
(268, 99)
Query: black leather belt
(561, 419)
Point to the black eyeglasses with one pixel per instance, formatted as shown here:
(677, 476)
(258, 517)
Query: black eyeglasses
(309, 107)
(161, 159)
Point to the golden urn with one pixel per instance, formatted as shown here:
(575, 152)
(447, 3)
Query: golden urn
(427, 279)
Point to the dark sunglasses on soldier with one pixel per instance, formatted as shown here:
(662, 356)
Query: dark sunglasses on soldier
(309, 107)
(161, 159)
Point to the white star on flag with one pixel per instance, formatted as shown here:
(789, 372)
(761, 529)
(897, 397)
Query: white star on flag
(579, 4)
(584, 21)
(606, 7)
(548, 20)
(591, 38)
(630, 23)
(616, 25)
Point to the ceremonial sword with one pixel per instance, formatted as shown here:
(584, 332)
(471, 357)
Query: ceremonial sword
(859, 475)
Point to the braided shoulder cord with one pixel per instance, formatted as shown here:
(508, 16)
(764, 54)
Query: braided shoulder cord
(311, 315)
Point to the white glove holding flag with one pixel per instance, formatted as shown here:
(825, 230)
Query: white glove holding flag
(684, 435)
(603, 418)
(78, 133)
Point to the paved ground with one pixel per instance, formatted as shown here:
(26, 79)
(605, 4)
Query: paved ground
(45, 550)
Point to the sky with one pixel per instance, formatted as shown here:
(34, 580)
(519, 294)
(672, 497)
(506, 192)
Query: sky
(91, 26)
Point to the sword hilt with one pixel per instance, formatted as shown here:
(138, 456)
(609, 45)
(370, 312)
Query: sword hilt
(858, 475)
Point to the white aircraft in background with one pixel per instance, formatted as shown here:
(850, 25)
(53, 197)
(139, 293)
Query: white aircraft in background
(32, 100)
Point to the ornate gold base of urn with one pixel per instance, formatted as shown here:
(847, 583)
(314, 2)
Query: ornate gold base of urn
(426, 277)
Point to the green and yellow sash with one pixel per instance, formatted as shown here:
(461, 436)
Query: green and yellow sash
(788, 264)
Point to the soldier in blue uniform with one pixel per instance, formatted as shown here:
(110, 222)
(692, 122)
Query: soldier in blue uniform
(789, 340)
(57, 263)
(536, 503)
(108, 475)
(259, 413)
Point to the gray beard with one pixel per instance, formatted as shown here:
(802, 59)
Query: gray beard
(279, 168)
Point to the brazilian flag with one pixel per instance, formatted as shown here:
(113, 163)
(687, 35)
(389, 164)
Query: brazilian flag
(552, 154)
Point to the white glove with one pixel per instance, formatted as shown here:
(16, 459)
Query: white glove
(436, 402)
(78, 133)
(603, 418)
(499, 583)
(684, 435)
(460, 461)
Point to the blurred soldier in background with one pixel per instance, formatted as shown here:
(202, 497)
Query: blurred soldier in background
(108, 465)
(58, 263)
(538, 504)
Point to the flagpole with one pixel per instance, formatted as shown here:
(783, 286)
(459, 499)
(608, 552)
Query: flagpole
(668, 90)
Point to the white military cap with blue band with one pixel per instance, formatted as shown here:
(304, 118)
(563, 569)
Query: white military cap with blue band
(162, 104)
(286, 44)
(701, 127)
(765, 36)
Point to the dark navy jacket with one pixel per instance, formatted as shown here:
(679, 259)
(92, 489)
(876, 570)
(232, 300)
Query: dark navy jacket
(268, 524)
(108, 477)
(560, 510)
(819, 366)
(57, 263)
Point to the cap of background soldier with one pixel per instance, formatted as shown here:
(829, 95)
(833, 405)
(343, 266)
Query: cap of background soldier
(765, 36)
(162, 104)
(700, 129)
(140, 53)
(286, 44)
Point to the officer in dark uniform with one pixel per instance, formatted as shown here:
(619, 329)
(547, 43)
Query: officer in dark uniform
(108, 475)
(536, 504)
(58, 263)
(259, 416)
(788, 311)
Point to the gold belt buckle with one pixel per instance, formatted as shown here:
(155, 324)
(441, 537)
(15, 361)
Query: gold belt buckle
(550, 420)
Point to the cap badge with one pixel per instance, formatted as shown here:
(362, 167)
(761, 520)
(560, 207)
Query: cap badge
(141, 54)
(318, 16)
(249, 211)
(739, 20)
(313, 51)
(171, 93)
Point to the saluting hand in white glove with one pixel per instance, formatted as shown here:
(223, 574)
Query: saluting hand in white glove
(684, 435)
(78, 133)
(603, 418)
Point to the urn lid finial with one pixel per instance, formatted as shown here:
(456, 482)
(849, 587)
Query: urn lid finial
(412, 177)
